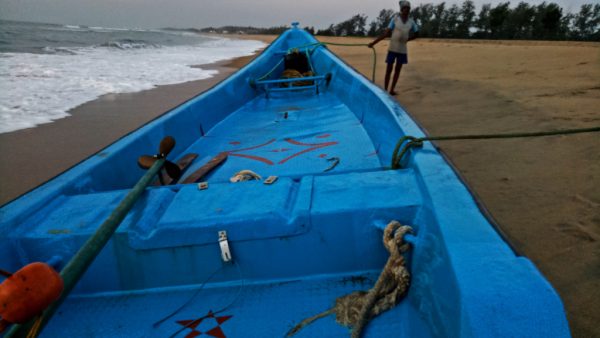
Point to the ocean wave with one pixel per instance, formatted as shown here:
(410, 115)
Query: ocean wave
(186, 30)
(125, 44)
(100, 29)
(58, 50)
(38, 88)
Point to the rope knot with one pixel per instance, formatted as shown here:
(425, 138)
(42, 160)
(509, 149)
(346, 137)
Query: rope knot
(356, 309)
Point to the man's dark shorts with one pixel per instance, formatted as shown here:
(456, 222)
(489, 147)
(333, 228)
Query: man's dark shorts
(397, 57)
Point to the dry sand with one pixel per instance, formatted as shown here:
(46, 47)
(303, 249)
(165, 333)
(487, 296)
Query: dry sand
(543, 192)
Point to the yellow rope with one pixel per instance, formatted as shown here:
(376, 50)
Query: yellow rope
(35, 329)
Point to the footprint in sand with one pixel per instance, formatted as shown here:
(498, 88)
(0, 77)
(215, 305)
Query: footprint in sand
(589, 215)
(576, 230)
(564, 118)
(586, 201)
(410, 89)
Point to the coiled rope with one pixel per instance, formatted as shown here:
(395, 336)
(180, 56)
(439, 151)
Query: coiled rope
(358, 308)
(411, 141)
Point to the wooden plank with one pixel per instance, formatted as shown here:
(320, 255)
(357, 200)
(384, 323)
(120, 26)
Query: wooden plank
(205, 169)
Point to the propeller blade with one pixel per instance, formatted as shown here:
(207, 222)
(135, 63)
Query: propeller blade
(146, 161)
(166, 145)
(172, 170)
(5, 274)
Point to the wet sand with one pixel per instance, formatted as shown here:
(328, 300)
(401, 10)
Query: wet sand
(543, 192)
(35, 155)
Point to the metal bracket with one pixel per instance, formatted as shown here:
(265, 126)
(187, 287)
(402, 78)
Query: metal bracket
(270, 180)
(224, 244)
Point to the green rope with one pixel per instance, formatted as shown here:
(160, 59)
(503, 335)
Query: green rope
(271, 71)
(400, 150)
(360, 44)
(318, 44)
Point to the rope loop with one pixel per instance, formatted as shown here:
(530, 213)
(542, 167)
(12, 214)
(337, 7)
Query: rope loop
(398, 154)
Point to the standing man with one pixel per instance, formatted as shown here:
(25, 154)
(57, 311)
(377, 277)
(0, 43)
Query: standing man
(401, 29)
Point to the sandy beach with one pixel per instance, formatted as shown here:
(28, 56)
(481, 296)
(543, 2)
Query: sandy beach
(543, 192)
(39, 154)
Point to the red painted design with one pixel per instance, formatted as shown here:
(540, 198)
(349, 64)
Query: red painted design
(313, 146)
(252, 157)
(298, 143)
(192, 324)
(281, 150)
(193, 334)
(256, 158)
(324, 136)
(235, 143)
(255, 147)
(323, 155)
(214, 332)
(223, 319)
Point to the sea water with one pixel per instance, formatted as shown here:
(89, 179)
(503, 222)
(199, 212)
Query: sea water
(48, 69)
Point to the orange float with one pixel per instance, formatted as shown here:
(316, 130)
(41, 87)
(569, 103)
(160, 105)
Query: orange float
(27, 292)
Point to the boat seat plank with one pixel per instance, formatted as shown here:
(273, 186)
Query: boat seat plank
(246, 210)
(80, 215)
(354, 192)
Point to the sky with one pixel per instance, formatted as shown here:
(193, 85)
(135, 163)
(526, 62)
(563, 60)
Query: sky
(204, 13)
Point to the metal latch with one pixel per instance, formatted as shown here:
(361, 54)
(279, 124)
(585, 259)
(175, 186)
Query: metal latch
(224, 244)
(270, 180)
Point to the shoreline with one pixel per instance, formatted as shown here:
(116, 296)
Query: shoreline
(47, 150)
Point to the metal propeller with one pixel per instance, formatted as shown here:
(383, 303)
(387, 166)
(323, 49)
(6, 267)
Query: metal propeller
(166, 145)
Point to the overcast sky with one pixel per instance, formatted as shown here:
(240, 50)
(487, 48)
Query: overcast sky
(204, 13)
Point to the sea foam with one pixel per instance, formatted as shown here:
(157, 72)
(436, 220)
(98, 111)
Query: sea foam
(40, 88)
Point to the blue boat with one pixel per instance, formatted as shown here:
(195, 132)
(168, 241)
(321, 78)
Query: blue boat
(274, 206)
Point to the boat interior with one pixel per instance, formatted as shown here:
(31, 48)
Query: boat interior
(297, 244)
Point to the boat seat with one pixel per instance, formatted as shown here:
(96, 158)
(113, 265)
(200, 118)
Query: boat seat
(173, 221)
(246, 210)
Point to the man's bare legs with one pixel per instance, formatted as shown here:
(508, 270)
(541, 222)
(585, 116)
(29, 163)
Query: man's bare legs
(396, 75)
(388, 72)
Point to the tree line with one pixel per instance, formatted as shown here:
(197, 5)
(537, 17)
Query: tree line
(546, 21)
(244, 30)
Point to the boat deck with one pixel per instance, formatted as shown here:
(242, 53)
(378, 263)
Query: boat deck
(290, 136)
(257, 310)
(150, 267)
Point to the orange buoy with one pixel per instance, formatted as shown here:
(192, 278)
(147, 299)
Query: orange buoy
(28, 292)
